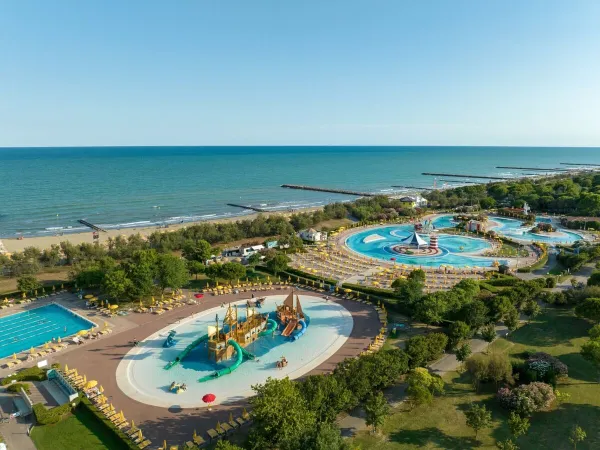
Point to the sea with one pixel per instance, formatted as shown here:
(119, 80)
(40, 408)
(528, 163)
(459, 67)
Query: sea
(46, 191)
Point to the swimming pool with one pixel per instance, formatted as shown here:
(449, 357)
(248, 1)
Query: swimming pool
(141, 374)
(513, 228)
(19, 332)
(379, 242)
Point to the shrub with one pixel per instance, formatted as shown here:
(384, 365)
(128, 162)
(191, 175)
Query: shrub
(16, 387)
(45, 416)
(543, 363)
(527, 398)
(550, 282)
(30, 374)
(423, 349)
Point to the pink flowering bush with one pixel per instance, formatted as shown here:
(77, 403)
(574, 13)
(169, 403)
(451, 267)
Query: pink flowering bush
(527, 398)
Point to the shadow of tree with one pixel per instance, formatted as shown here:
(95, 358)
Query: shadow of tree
(579, 368)
(559, 327)
(425, 437)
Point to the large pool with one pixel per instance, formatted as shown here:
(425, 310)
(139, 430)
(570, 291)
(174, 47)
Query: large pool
(141, 374)
(378, 243)
(513, 228)
(19, 332)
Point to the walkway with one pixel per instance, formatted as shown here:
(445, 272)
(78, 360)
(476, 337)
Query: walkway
(353, 422)
(15, 431)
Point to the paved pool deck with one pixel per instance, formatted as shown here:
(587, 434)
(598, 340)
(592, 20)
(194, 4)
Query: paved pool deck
(98, 359)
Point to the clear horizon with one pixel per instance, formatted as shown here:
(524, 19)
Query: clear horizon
(338, 73)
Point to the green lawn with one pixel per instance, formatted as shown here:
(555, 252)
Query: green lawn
(81, 431)
(442, 424)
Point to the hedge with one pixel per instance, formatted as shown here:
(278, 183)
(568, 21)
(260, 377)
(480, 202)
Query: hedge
(489, 287)
(535, 266)
(45, 416)
(509, 281)
(127, 443)
(386, 296)
(30, 374)
(291, 272)
(16, 388)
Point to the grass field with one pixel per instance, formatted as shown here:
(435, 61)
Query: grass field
(441, 425)
(81, 431)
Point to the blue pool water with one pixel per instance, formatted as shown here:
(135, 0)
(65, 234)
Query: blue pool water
(452, 247)
(142, 376)
(19, 332)
(513, 228)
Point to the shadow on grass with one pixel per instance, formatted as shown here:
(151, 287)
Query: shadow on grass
(550, 429)
(579, 368)
(556, 327)
(427, 436)
(95, 427)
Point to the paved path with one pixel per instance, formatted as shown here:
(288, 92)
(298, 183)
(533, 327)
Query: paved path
(353, 422)
(15, 431)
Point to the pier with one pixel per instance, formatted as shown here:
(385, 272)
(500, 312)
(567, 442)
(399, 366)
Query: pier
(532, 168)
(457, 175)
(414, 187)
(333, 191)
(91, 225)
(459, 181)
(252, 208)
(573, 164)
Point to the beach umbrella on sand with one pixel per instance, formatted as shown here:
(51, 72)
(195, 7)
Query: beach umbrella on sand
(164, 445)
(14, 356)
(195, 435)
(66, 368)
(114, 307)
(132, 425)
(91, 384)
(101, 389)
(32, 351)
(84, 378)
(58, 340)
(24, 295)
(82, 332)
(140, 435)
(105, 324)
(46, 345)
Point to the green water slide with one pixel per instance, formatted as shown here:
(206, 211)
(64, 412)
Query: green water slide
(185, 352)
(270, 328)
(240, 354)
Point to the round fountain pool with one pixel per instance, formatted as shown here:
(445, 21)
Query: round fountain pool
(456, 251)
(141, 374)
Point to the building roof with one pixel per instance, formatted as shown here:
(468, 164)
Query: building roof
(414, 239)
(408, 199)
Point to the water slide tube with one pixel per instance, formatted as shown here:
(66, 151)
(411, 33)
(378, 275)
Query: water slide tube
(240, 353)
(270, 328)
(185, 352)
(298, 333)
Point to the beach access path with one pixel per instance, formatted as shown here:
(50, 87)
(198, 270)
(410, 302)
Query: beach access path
(98, 359)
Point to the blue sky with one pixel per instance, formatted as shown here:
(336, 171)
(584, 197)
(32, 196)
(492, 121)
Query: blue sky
(274, 72)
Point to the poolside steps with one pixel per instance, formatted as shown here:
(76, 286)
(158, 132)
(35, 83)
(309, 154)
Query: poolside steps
(91, 225)
(333, 191)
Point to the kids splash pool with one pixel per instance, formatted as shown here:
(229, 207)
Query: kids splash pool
(456, 251)
(142, 375)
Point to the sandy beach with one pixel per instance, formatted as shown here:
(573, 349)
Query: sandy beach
(11, 245)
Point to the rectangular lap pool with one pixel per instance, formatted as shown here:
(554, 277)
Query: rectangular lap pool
(19, 332)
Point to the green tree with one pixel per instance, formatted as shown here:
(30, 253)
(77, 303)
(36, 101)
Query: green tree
(594, 332)
(463, 352)
(51, 256)
(376, 409)
(278, 263)
(28, 283)
(116, 284)
(326, 396)
(200, 251)
(282, 418)
(531, 309)
(171, 272)
(459, 331)
(226, 445)
(507, 445)
(577, 435)
(327, 437)
(141, 271)
(478, 418)
(518, 425)
(422, 386)
(195, 267)
(591, 352)
(475, 314)
(417, 275)
(213, 271)
(254, 259)
(488, 333)
(594, 279)
(589, 309)
(431, 308)
(511, 320)
(232, 271)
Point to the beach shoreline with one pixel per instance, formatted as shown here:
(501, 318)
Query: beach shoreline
(12, 245)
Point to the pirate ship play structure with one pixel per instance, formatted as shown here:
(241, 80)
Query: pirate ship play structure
(292, 317)
(231, 337)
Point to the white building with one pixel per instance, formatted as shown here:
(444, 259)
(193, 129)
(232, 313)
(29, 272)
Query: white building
(249, 251)
(312, 235)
